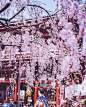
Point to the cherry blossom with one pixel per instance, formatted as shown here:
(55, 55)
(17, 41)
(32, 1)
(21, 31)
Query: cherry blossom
(46, 51)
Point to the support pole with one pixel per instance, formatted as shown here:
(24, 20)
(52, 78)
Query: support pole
(6, 94)
(57, 95)
(16, 90)
(19, 73)
(36, 93)
(25, 99)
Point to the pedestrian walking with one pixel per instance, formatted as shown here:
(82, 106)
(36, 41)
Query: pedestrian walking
(11, 103)
(41, 100)
(0, 104)
(15, 104)
(5, 104)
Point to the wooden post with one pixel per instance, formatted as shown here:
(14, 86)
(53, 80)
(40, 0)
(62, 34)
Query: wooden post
(57, 95)
(36, 93)
(25, 99)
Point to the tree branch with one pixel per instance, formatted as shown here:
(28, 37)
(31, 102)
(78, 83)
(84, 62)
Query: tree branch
(16, 14)
(10, 28)
(5, 7)
(8, 20)
(31, 6)
(4, 19)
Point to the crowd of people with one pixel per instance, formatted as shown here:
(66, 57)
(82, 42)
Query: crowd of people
(11, 104)
(42, 101)
(14, 104)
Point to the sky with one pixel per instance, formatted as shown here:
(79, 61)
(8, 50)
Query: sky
(50, 5)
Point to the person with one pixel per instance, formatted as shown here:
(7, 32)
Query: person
(51, 105)
(41, 100)
(0, 104)
(5, 104)
(15, 104)
(28, 104)
(11, 103)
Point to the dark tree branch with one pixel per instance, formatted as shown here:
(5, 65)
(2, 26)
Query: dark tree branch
(5, 7)
(8, 20)
(31, 6)
(4, 19)
(10, 28)
(41, 8)
(4, 25)
(8, 4)
(16, 13)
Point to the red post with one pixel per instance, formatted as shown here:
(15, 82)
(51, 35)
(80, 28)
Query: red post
(36, 93)
(6, 94)
(57, 95)
(16, 91)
